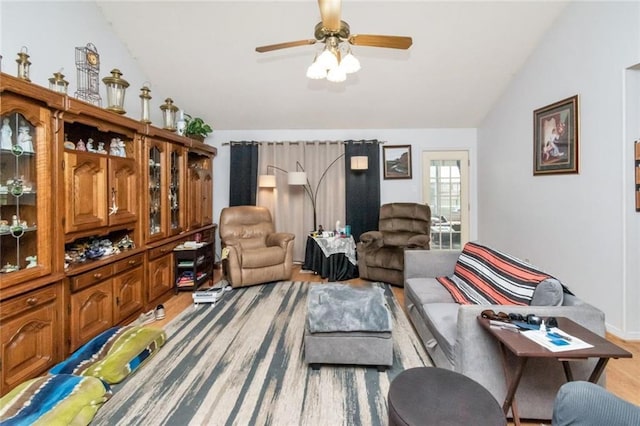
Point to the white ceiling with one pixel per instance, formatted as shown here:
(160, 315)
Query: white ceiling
(202, 55)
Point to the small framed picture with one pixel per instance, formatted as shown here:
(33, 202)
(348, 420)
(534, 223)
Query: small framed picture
(397, 161)
(555, 138)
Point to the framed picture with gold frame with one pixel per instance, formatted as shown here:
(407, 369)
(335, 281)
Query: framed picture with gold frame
(555, 138)
(397, 161)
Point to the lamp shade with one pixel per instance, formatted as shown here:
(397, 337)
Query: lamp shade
(267, 181)
(360, 162)
(297, 178)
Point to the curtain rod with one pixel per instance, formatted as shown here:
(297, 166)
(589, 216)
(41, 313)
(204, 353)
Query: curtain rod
(358, 142)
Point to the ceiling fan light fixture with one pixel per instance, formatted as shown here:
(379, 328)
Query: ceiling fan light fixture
(350, 63)
(316, 72)
(327, 59)
(336, 75)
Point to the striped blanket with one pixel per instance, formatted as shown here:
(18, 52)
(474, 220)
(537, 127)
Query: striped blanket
(484, 276)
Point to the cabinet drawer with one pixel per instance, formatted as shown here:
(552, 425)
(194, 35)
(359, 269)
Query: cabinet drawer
(130, 262)
(27, 301)
(92, 277)
(162, 250)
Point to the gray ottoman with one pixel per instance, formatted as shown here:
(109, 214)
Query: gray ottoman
(348, 325)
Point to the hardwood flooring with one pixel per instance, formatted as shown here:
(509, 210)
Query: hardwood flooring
(623, 375)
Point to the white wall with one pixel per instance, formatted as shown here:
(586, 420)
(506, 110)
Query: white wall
(52, 30)
(577, 227)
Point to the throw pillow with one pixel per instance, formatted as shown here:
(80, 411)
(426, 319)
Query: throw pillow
(60, 399)
(549, 292)
(113, 354)
(485, 276)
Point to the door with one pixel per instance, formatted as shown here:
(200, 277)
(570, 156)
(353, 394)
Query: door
(127, 288)
(124, 191)
(85, 176)
(161, 277)
(91, 313)
(446, 190)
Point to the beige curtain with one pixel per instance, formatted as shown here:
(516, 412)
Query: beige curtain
(291, 206)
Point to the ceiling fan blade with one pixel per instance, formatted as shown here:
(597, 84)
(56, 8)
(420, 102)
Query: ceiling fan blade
(330, 13)
(288, 44)
(392, 42)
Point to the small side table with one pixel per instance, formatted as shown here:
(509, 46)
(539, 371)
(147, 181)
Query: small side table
(193, 266)
(524, 348)
(331, 257)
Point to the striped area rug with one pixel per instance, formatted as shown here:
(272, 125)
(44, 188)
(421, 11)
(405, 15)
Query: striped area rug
(241, 362)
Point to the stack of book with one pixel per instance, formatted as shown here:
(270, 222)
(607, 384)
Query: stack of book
(185, 279)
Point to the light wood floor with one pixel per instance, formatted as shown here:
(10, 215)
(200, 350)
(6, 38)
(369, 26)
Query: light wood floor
(623, 375)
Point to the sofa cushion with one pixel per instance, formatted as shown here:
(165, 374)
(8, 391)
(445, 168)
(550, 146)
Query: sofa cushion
(60, 399)
(442, 321)
(485, 276)
(113, 354)
(426, 290)
(549, 292)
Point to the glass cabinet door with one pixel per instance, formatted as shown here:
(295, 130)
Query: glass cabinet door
(157, 191)
(176, 191)
(24, 192)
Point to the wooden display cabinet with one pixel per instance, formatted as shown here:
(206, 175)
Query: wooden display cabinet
(25, 191)
(60, 201)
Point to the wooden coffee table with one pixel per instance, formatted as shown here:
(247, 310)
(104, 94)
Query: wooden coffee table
(524, 348)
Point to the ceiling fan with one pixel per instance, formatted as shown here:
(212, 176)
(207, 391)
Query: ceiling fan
(332, 31)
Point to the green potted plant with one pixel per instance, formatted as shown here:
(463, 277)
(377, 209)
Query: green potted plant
(196, 128)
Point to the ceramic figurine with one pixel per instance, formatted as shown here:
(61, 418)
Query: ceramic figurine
(9, 268)
(81, 146)
(121, 147)
(33, 261)
(7, 133)
(90, 146)
(24, 137)
(100, 149)
(114, 149)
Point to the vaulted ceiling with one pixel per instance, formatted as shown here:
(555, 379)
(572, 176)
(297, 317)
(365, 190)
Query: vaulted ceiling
(202, 54)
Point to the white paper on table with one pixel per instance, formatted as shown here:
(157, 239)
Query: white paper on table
(542, 338)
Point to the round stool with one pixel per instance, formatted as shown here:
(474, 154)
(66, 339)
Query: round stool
(435, 396)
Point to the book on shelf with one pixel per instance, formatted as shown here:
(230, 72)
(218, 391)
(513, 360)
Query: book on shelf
(556, 340)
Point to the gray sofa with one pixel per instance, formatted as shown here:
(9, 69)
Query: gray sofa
(454, 339)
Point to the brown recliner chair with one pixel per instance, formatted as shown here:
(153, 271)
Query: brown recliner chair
(401, 226)
(257, 254)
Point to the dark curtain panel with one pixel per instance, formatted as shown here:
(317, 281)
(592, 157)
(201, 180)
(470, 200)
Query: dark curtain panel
(362, 188)
(243, 174)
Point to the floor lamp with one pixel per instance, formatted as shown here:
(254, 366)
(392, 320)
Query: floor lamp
(299, 177)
